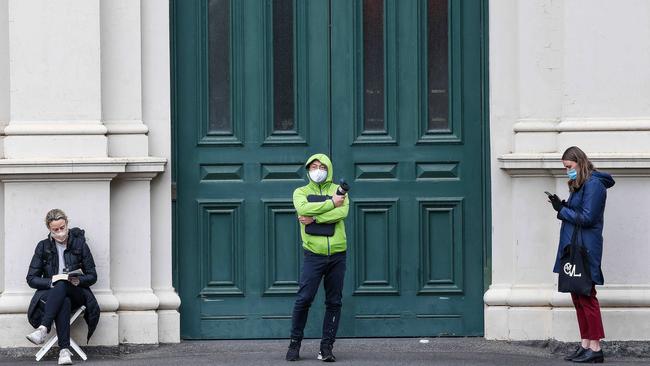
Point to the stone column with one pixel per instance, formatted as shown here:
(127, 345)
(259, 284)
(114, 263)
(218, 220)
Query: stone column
(121, 79)
(122, 116)
(4, 72)
(131, 263)
(54, 78)
(156, 115)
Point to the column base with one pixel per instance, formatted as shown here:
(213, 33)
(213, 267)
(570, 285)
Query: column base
(138, 327)
(560, 323)
(169, 326)
(106, 333)
(169, 319)
(517, 323)
(621, 324)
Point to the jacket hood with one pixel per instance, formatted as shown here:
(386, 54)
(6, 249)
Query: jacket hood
(605, 178)
(323, 160)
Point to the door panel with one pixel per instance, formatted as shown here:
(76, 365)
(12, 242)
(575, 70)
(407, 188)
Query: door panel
(238, 241)
(391, 91)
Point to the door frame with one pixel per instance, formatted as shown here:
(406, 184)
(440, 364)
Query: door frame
(486, 176)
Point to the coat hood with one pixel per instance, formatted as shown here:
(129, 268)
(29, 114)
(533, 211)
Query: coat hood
(323, 160)
(605, 178)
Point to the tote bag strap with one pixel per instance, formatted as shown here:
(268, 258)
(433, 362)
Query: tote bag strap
(577, 231)
(577, 228)
(574, 239)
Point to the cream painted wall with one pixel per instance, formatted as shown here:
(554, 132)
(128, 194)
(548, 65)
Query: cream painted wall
(567, 73)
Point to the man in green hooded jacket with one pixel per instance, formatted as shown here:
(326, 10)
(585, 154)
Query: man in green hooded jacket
(321, 211)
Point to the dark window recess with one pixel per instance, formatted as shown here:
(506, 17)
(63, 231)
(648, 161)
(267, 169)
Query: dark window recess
(438, 65)
(373, 65)
(283, 70)
(219, 66)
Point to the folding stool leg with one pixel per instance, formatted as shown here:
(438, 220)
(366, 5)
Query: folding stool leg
(78, 349)
(74, 344)
(46, 347)
(76, 314)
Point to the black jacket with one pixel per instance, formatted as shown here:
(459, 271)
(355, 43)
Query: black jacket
(45, 264)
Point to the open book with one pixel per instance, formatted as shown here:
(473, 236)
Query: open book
(66, 276)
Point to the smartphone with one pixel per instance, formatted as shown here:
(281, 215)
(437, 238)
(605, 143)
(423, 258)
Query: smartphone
(548, 194)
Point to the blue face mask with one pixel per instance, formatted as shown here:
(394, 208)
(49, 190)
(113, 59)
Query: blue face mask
(572, 174)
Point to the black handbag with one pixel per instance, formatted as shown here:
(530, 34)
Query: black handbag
(315, 228)
(575, 274)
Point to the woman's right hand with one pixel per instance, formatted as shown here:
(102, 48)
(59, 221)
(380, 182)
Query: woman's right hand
(556, 202)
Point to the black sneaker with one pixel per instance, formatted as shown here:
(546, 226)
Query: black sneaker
(326, 354)
(293, 353)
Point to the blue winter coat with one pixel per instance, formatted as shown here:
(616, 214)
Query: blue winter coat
(586, 207)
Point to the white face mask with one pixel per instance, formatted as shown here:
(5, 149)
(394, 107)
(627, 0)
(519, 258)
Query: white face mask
(318, 175)
(60, 236)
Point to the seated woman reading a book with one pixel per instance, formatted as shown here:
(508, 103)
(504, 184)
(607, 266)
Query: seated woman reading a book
(62, 271)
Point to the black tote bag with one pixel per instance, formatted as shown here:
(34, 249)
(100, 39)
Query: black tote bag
(575, 274)
(319, 229)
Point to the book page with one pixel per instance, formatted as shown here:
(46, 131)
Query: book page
(59, 277)
(76, 272)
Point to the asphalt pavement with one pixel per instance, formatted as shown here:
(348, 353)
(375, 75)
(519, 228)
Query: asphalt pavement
(357, 352)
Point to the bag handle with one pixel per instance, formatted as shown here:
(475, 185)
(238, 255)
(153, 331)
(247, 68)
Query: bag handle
(577, 228)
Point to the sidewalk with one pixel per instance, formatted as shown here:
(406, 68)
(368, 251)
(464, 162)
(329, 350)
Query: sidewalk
(357, 352)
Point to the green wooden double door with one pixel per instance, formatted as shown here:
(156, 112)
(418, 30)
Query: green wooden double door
(392, 91)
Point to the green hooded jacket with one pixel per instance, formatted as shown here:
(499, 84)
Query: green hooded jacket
(323, 212)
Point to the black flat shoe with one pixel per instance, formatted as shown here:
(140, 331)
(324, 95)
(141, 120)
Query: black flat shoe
(590, 356)
(577, 353)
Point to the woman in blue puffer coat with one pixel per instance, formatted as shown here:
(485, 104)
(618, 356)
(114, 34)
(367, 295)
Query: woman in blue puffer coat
(584, 208)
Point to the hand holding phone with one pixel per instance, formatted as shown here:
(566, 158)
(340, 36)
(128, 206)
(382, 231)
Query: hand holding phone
(555, 201)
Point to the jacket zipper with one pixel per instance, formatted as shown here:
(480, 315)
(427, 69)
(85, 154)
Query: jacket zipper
(328, 238)
(55, 257)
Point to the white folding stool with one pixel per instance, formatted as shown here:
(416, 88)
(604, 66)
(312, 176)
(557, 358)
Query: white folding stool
(46, 347)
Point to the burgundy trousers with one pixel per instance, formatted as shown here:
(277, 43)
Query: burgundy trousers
(589, 319)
